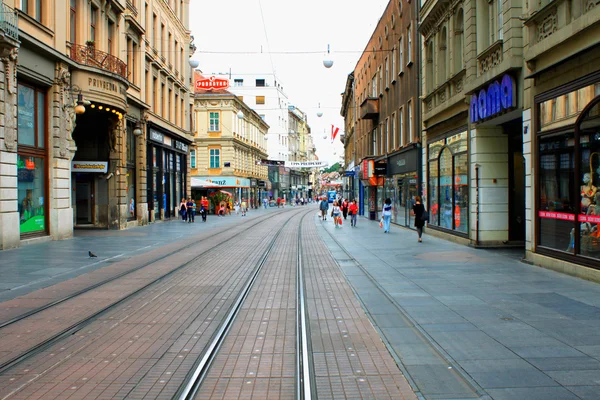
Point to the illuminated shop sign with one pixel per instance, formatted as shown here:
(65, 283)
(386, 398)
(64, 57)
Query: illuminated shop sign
(211, 83)
(493, 100)
(89, 166)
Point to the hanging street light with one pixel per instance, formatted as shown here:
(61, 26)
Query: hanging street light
(328, 62)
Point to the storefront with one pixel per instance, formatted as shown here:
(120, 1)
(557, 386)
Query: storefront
(568, 154)
(448, 183)
(32, 160)
(401, 185)
(372, 187)
(167, 173)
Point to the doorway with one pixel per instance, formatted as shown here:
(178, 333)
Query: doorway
(516, 181)
(84, 199)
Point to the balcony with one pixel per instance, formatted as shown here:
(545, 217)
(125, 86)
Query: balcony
(490, 57)
(369, 109)
(88, 55)
(9, 22)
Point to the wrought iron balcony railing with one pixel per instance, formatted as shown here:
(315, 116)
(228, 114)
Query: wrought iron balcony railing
(9, 21)
(88, 55)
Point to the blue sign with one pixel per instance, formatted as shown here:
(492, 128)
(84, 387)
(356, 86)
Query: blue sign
(350, 173)
(498, 97)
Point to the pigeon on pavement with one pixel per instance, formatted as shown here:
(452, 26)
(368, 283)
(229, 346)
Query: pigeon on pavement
(92, 254)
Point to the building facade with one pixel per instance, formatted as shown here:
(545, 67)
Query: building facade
(75, 148)
(380, 106)
(561, 135)
(229, 144)
(301, 149)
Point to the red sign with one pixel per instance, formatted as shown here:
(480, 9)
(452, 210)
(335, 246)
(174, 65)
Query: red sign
(29, 164)
(212, 83)
(557, 215)
(589, 218)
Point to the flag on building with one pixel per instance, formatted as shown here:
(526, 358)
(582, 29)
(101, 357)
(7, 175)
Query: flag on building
(334, 132)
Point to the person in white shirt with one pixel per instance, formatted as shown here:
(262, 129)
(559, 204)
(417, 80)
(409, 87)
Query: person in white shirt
(335, 213)
(387, 215)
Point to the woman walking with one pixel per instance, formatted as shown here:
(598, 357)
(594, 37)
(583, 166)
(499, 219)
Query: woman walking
(353, 211)
(335, 213)
(182, 210)
(418, 210)
(191, 210)
(345, 208)
(387, 215)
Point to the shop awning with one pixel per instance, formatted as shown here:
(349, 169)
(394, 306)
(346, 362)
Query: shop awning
(198, 183)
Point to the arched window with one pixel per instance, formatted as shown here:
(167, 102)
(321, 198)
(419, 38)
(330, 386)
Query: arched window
(429, 78)
(459, 41)
(442, 61)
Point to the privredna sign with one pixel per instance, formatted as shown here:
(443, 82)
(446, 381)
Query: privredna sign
(212, 83)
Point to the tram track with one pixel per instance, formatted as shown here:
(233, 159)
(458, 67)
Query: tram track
(304, 367)
(78, 325)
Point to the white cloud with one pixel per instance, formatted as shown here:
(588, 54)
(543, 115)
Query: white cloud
(291, 27)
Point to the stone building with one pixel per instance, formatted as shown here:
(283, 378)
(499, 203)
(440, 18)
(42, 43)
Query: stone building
(85, 85)
(380, 106)
(561, 134)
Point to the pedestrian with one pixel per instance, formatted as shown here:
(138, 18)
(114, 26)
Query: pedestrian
(191, 210)
(265, 203)
(387, 215)
(324, 207)
(344, 208)
(418, 211)
(204, 205)
(228, 207)
(244, 207)
(221, 209)
(335, 213)
(236, 207)
(353, 211)
(278, 201)
(182, 210)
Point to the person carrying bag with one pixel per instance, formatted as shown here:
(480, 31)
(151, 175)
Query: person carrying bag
(421, 216)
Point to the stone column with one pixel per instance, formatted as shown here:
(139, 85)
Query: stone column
(489, 149)
(9, 212)
(62, 125)
(117, 184)
(142, 177)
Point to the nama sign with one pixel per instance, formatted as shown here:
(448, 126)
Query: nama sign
(212, 83)
(493, 100)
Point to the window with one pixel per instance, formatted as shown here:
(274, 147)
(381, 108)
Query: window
(448, 183)
(409, 123)
(73, 22)
(500, 22)
(31, 159)
(260, 82)
(442, 61)
(260, 99)
(409, 45)
(393, 70)
(387, 72)
(400, 126)
(155, 33)
(400, 56)
(110, 33)
(394, 138)
(93, 16)
(192, 158)
(458, 50)
(214, 124)
(215, 158)
(429, 78)
(238, 82)
(25, 6)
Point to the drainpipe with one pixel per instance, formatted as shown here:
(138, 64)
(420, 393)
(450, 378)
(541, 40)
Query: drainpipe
(477, 204)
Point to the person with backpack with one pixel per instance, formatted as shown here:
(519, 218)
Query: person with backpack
(421, 216)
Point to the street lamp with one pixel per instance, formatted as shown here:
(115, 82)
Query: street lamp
(319, 112)
(240, 114)
(328, 62)
(79, 108)
(193, 62)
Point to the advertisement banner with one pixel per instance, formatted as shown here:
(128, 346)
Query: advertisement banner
(306, 164)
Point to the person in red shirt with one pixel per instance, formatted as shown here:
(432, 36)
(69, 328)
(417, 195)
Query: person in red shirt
(344, 207)
(204, 208)
(353, 211)
(278, 201)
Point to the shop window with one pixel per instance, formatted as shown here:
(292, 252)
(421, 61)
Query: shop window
(214, 124)
(448, 190)
(215, 158)
(31, 159)
(131, 173)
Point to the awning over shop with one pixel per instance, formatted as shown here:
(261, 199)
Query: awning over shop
(198, 183)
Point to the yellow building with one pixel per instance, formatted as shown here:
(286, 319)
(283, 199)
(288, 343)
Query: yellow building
(229, 143)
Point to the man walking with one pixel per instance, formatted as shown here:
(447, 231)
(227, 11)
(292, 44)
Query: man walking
(324, 207)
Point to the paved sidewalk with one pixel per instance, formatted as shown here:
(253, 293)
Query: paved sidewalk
(511, 330)
(40, 265)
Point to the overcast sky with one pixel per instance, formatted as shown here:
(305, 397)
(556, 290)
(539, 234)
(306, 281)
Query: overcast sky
(230, 34)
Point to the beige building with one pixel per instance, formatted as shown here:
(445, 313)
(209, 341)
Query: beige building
(89, 89)
(472, 120)
(229, 143)
(561, 131)
(300, 149)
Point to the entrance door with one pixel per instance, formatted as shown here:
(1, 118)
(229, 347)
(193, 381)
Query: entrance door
(84, 199)
(516, 170)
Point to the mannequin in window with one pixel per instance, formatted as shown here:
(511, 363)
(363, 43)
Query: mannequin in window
(588, 192)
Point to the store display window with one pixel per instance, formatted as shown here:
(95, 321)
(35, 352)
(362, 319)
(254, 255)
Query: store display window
(569, 172)
(448, 188)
